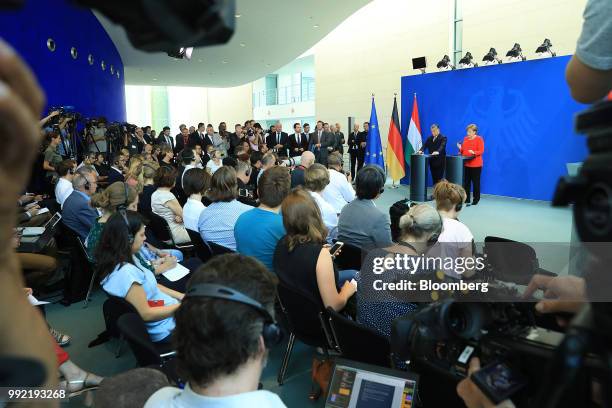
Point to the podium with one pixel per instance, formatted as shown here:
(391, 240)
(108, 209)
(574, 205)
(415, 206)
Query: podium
(454, 169)
(418, 177)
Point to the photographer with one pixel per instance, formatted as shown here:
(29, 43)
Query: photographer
(245, 190)
(97, 137)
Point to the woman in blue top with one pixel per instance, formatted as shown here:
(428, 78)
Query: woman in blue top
(123, 275)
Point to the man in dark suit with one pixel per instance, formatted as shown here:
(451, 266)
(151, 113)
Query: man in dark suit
(362, 140)
(115, 172)
(147, 135)
(314, 141)
(339, 139)
(327, 141)
(353, 147)
(202, 136)
(182, 139)
(298, 142)
(277, 140)
(235, 139)
(77, 213)
(436, 145)
(165, 138)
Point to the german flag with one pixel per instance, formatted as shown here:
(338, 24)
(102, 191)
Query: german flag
(395, 151)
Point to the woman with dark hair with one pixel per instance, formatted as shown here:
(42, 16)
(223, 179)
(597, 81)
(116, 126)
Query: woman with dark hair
(302, 260)
(165, 204)
(123, 275)
(216, 223)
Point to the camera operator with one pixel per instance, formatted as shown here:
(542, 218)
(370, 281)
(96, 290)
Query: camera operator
(97, 139)
(132, 142)
(245, 190)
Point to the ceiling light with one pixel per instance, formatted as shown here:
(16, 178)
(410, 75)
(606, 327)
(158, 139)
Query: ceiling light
(444, 64)
(315, 26)
(237, 15)
(200, 60)
(515, 54)
(545, 50)
(467, 61)
(155, 79)
(491, 58)
(224, 62)
(242, 44)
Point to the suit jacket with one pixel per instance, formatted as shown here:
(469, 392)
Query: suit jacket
(147, 137)
(294, 144)
(196, 139)
(179, 143)
(234, 142)
(162, 140)
(328, 140)
(272, 141)
(353, 145)
(78, 215)
(363, 225)
(114, 175)
(361, 137)
(340, 142)
(313, 139)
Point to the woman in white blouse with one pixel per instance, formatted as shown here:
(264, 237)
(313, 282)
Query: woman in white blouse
(214, 163)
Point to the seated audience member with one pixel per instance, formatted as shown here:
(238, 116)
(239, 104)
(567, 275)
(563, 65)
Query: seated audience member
(122, 275)
(257, 231)
(77, 213)
(115, 173)
(246, 194)
(196, 183)
(133, 176)
(101, 167)
(217, 221)
(129, 389)
(215, 162)
(76, 380)
(302, 260)
(339, 192)
(28, 211)
(188, 161)
(267, 162)
(360, 223)
(222, 346)
(166, 156)
(165, 204)
(63, 188)
(456, 239)
(297, 175)
(420, 227)
(88, 160)
(149, 169)
(255, 160)
(316, 178)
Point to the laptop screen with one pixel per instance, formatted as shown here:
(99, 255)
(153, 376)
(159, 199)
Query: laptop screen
(356, 385)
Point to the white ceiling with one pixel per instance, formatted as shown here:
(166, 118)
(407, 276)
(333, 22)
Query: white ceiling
(268, 35)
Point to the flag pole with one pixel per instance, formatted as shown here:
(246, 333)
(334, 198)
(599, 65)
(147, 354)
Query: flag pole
(393, 185)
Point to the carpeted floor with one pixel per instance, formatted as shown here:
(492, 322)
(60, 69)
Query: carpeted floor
(522, 220)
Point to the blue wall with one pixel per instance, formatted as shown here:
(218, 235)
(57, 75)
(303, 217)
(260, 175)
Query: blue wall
(524, 113)
(67, 81)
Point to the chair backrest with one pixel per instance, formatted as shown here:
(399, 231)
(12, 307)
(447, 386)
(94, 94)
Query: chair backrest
(113, 308)
(160, 228)
(218, 249)
(135, 333)
(202, 250)
(307, 320)
(511, 261)
(349, 257)
(350, 338)
(77, 280)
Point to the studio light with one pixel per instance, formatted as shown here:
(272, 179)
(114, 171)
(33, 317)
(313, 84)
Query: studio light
(181, 53)
(545, 50)
(444, 64)
(467, 61)
(515, 54)
(491, 58)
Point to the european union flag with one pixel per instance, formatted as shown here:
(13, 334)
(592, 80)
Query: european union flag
(374, 151)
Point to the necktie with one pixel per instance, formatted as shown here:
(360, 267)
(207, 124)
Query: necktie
(277, 137)
(297, 138)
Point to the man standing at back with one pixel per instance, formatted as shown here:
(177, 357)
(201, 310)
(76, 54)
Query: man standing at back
(328, 141)
(257, 231)
(298, 143)
(362, 139)
(314, 141)
(277, 140)
(353, 147)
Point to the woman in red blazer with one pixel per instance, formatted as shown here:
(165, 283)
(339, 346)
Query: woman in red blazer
(473, 147)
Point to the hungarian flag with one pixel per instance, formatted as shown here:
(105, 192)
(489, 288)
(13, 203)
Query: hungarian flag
(414, 142)
(395, 159)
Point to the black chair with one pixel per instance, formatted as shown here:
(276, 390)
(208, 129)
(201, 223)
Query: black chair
(133, 329)
(80, 276)
(218, 249)
(512, 261)
(349, 258)
(201, 248)
(306, 320)
(90, 269)
(113, 308)
(350, 338)
(162, 232)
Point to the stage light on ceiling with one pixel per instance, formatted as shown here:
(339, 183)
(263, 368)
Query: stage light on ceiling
(545, 50)
(515, 54)
(467, 61)
(444, 64)
(181, 53)
(491, 58)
